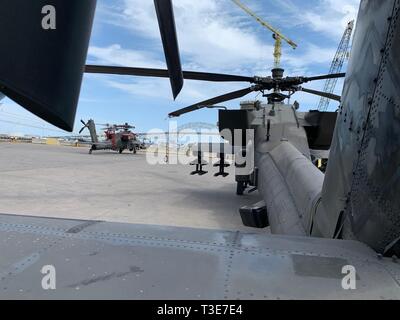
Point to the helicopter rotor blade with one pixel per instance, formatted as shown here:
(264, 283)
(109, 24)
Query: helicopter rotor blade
(83, 122)
(160, 73)
(325, 77)
(82, 130)
(215, 77)
(321, 94)
(213, 101)
(166, 22)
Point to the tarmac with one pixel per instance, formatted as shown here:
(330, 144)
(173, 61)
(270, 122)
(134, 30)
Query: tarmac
(66, 182)
(183, 239)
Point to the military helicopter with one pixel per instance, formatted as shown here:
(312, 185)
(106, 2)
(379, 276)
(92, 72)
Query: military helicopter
(118, 137)
(298, 198)
(349, 217)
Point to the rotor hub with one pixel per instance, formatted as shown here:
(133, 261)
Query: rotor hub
(277, 73)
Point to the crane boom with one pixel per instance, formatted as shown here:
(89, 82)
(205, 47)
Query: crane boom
(277, 35)
(337, 65)
(265, 24)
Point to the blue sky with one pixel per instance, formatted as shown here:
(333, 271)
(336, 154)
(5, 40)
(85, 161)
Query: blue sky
(214, 36)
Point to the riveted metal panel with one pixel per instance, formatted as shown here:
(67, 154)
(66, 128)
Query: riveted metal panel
(362, 182)
(123, 261)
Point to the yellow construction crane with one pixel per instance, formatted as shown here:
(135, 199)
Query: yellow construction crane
(278, 36)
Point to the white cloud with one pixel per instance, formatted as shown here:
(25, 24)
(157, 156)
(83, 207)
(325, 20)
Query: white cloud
(313, 55)
(116, 55)
(329, 17)
(160, 89)
(209, 38)
(215, 37)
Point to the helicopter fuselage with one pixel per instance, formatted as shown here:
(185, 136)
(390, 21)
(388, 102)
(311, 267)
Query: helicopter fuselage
(279, 159)
(117, 141)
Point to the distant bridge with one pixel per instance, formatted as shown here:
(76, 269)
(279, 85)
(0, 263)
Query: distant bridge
(197, 126)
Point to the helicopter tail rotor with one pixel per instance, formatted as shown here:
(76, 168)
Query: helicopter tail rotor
(85, 125)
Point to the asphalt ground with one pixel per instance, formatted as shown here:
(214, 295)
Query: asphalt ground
(67, 182)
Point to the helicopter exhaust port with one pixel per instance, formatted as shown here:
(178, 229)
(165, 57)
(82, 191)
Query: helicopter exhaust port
(255, 216)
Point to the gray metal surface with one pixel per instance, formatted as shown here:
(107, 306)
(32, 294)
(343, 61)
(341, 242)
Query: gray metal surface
(285, 126)
(362, 179)
(287, 180)
(36, 70)
(102, 260)
(92, 130)
(291, 186)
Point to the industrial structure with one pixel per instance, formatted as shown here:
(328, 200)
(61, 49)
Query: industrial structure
(277, 35)
(343, 53)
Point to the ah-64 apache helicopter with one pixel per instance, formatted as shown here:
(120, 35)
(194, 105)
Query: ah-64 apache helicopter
(323, 225)
(118, 137)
